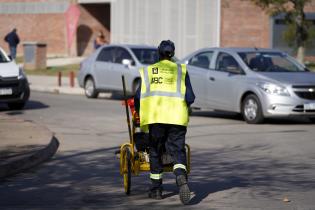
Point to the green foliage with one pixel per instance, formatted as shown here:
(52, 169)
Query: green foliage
(53, 71)
(290, 35)
(300, 32)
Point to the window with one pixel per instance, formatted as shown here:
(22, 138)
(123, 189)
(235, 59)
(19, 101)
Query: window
(121, 54)
(201, 60)
(226, 61)
(279, 27)
(146, 55)
(106, 55)
(269, 62)
(3, 59)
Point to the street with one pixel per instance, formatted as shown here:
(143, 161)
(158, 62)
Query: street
(235, 165)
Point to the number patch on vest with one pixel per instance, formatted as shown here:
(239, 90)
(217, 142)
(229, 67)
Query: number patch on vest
(156, 80)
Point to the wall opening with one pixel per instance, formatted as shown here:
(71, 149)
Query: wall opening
(94, 18)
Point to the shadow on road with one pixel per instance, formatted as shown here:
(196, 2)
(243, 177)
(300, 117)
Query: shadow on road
(31, 104)
(91, 179)
(238, 117)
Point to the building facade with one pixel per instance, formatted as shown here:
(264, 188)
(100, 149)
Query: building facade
(69, 27)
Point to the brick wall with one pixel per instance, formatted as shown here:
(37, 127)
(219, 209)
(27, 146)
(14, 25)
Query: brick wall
(47, 28)
(243, 25)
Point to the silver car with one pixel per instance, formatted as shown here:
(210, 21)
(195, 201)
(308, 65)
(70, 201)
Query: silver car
(103, 69)
(258, 83)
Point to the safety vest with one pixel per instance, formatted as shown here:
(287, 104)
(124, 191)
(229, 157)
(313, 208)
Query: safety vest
(163, 94)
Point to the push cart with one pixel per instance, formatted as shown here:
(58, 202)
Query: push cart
(134, 155)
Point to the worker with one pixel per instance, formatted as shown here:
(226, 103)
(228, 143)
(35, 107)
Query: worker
(164, 98)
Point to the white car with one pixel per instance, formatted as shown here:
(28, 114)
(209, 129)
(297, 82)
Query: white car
(103, 69)
(14, 87)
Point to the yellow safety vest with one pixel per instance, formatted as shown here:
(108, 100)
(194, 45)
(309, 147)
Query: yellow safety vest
(163, 94)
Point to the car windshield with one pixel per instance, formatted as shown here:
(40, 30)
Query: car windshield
(3, 58)
(146, 55)
(270, 62)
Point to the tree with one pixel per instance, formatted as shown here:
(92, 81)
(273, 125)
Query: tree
(299, 32)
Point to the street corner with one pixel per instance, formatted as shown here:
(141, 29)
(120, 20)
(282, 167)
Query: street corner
(24, 144)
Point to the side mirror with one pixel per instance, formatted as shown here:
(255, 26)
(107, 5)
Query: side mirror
(127, 63)
(234, 70)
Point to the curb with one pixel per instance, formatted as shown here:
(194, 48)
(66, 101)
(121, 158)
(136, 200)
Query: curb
(58, 90)
(30, 161)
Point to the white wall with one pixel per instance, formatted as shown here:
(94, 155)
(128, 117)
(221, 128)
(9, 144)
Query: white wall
(191, 24)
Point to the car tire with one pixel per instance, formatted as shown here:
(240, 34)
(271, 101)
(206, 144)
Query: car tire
(135, 86)
(89, 88)
(312, 119)
(251, 110)
(20, 104)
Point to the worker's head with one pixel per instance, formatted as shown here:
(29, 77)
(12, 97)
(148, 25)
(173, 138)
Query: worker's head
(166, 50)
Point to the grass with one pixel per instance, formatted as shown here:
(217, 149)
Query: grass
(311, 66)
(53, 71)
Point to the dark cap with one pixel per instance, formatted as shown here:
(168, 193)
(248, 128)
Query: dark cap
(166, 48)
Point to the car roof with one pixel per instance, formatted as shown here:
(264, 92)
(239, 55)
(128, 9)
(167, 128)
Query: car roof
(137, 46)
(242, 49)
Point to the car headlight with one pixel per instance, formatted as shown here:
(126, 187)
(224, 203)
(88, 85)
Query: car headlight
(21, 74)
(274, 89)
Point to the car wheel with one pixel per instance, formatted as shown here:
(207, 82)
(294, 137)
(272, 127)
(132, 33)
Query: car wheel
(312, 119)
(135, 86)
(20, 104)
(251, 110)
(89, 88)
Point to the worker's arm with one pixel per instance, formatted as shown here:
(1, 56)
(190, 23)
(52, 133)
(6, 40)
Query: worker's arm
(137, 99)
(189, 95)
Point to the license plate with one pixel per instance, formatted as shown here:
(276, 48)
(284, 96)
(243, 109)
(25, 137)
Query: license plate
(5, 91)
(310, 106)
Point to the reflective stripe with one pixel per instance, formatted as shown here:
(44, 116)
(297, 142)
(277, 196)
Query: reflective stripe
(179, 78)
(146, 79)
(176, 166)
(156, 176)
(162, 93)
(178, 94)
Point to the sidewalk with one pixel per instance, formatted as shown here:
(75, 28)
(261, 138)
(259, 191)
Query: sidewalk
(23, 145)
(50, 83)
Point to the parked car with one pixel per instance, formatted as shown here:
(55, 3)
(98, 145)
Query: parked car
(258, 83)
(103, 69)
(14, 87)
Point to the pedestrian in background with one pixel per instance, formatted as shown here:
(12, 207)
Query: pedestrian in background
(163, 99)
(99, 40)
(13, 40)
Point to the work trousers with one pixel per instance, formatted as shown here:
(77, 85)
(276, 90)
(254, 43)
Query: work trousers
(169, 138)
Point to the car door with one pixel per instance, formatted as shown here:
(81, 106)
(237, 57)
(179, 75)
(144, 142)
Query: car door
(102, 68)
(198, 69)
(120, 69)
(224, 85)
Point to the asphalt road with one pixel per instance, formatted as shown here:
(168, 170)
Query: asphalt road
(234, 165)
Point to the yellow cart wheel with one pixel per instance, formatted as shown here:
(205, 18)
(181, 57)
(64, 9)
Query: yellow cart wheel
(127, 170)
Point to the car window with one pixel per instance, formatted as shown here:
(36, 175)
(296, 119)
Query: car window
(226, 61)
(269, 62)
(146, 55)
(106, 55)
(3, 58)
(121, 54)
(201, 60)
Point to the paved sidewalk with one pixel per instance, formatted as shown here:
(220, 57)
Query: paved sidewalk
(50, 84)
(23, 145)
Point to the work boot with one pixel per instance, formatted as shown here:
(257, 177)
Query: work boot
(184, 192)
(155, 194)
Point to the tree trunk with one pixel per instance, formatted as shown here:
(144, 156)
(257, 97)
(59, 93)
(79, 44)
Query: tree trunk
(301, 54)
